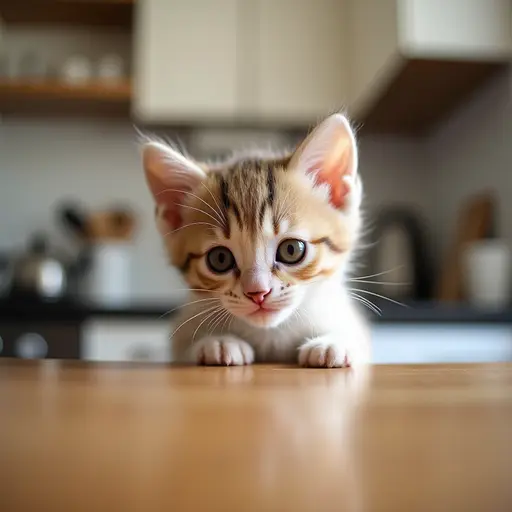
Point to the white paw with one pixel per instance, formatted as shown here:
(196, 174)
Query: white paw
(329, 351)
(223, 351)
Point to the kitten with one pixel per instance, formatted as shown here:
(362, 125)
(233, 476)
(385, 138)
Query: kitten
(264, 245)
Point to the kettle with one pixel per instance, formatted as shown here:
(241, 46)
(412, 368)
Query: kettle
(39, 272)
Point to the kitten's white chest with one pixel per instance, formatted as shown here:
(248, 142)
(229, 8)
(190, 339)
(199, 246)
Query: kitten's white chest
(279, 345)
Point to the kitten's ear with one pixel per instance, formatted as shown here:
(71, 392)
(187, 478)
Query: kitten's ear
(329, 154)
(170, 177)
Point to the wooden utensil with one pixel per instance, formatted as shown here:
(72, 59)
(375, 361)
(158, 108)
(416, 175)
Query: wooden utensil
(475, 222)
(111, 225)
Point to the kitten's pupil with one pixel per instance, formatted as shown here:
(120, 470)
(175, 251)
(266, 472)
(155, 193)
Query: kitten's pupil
(290, 249)
(222, 258)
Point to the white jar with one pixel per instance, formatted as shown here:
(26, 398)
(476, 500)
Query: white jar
(488, 274)
(109, 278)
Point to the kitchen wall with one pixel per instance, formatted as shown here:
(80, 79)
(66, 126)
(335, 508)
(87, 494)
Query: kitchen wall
(43, 161)
(471, 152)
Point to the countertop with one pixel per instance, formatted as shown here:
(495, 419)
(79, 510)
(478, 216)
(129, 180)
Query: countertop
(136, 438)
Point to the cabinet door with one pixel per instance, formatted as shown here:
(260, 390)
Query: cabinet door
(301, 62)
(185, 59)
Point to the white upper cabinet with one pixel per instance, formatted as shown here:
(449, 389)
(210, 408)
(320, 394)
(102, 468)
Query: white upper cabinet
(411, 61)
(281, 61)
(186, 60)
(473, 29)
(301, 63)
(397, 66)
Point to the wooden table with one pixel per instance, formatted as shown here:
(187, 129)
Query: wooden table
(77, 437)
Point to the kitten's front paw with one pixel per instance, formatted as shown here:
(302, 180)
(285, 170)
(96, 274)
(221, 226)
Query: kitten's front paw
(223, 351)
(325, 352)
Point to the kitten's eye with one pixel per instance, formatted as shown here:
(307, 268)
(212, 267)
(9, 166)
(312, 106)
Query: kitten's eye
(220, 260)
(291, 251)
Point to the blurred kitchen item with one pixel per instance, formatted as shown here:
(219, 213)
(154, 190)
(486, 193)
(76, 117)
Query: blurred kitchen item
(400, 255)
(39, 272)
(113, 224)
(74, 219)
(476, 221)
(488, 274)
(9, 65)
(109, 277)
(32, 66)
(4, 66)
(5, 275)
(77, 69)
(110, 68)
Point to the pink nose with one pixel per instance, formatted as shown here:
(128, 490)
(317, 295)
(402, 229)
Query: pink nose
(258, 297)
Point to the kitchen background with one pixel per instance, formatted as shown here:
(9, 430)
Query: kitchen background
(427, 81)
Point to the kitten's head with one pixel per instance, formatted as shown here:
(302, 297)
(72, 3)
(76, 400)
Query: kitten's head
(256, 232)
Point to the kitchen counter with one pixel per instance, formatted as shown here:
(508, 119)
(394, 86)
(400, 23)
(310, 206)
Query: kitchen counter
(109, 437)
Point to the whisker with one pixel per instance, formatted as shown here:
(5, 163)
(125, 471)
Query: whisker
(192, 318)
(381, 297)
(313, 330)
(297, 315)
(300, 317)
(369, 304)
(204, 320)
(378, 274)
(216, 203)
(219, 320)
(198, 210)
(378, 282)
(225, 321)
(195, 290)
(187, 304)
(212, 320)
(197, 197)
(189, 225)
(364, 303)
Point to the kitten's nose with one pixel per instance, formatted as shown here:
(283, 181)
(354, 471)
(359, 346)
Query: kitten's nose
(258, 296)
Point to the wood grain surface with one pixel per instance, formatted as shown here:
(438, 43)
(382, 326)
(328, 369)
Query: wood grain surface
(142, 438)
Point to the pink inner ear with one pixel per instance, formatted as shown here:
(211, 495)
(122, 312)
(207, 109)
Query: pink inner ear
(172, 212)
(173, 218)
(332, 173)
(338, 188)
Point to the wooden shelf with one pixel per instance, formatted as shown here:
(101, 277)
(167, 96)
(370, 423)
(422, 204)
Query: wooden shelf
(102, 13)
(60, 99)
